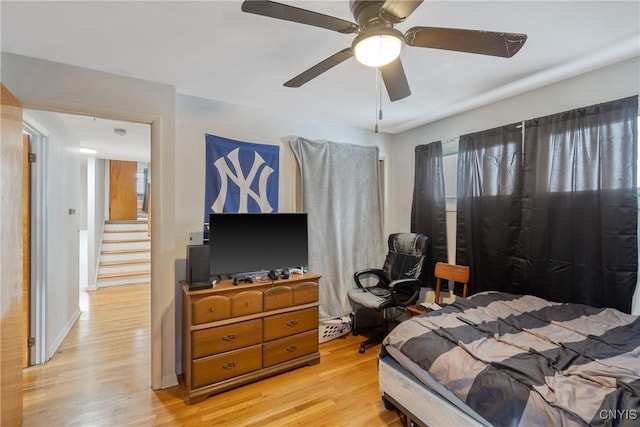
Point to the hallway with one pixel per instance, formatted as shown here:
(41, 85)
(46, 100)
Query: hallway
(102, 366)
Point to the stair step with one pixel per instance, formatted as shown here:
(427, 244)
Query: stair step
(126, 221)
(123, 281)
(122, 235)
(125, 274)
(114, 246)
(125, 241)
(114, 227)
(123, 262)
(125, 256)
(123, 269)
(125, 251)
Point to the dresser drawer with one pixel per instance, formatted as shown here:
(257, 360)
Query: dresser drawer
(282, 325)
(277, 297)
(305, 293)
(211, 341)
(288, 348)
(210, 309)
(247, 302)
(223, 366)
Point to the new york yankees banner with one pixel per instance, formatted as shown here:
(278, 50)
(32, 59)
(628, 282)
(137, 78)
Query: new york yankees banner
(240, 176)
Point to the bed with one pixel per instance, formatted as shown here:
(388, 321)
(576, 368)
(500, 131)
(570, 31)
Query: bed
(511, 360)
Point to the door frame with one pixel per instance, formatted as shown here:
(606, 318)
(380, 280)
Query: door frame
(26, 250)
(38, 277)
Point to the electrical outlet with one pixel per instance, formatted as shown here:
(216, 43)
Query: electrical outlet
(194, 238)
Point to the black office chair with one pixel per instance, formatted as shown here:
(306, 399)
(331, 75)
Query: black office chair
(398, 282)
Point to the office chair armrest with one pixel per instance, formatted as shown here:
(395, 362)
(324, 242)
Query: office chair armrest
(405, 292)
(378, 272)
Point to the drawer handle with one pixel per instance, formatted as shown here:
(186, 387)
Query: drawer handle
(229, 365)
(292, 323)
(212, 309)
(247, 303)
(292, 348)
(229, 337)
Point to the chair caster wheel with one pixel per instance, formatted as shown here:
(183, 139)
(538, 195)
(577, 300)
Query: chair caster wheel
(361, 350)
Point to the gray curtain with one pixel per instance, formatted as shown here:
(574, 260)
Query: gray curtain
(340, 192)
(428, 211)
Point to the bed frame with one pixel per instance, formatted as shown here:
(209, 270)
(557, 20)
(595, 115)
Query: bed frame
(420, 404)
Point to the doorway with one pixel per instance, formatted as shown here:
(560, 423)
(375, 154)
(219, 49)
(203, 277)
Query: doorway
(84, 213)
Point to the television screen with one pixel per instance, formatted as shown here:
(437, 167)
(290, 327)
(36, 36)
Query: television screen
(249, 242)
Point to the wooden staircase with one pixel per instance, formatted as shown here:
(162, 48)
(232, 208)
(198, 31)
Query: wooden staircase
(125, 257)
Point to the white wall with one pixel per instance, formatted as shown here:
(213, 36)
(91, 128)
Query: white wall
(64, 192)
(196, 117)
(96, 189)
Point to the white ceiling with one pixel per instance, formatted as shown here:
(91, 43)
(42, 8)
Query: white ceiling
(99, 134)
(211, 49)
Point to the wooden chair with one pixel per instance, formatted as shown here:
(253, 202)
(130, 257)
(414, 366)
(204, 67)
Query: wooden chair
(457, 273)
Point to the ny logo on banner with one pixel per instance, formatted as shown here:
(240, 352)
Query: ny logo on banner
(243, 182)
(240, 176)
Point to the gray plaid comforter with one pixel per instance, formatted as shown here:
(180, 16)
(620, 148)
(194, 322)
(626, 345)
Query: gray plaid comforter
(526, 361)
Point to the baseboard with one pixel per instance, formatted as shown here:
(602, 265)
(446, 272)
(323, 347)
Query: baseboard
(169, 381)
(60, 338)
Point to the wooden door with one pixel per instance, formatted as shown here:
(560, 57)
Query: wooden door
(26, 251)
(123, 198)
(11, 260)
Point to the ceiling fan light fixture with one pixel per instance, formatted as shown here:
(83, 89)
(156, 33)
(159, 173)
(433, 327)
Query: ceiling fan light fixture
(377, 47)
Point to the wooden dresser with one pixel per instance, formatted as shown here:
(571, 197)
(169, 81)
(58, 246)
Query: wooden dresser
(233, 335)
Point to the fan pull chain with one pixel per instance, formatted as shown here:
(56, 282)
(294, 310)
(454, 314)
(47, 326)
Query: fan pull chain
(380, 93)
(378, 99)
(375, 129)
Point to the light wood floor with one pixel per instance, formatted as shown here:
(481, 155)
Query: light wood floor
(100, 376)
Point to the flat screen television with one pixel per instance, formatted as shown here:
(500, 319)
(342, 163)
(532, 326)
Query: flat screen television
(241, 243)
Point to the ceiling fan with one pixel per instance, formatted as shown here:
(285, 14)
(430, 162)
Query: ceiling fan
(378, 43)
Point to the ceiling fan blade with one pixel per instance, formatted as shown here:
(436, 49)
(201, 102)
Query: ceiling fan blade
(473, 41)
(320, 68)
(395, 11)
(395, 80)
(295, 14)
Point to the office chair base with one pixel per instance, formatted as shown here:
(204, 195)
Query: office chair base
(373, 340)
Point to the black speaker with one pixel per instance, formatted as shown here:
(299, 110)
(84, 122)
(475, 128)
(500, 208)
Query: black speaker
(198, 266)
